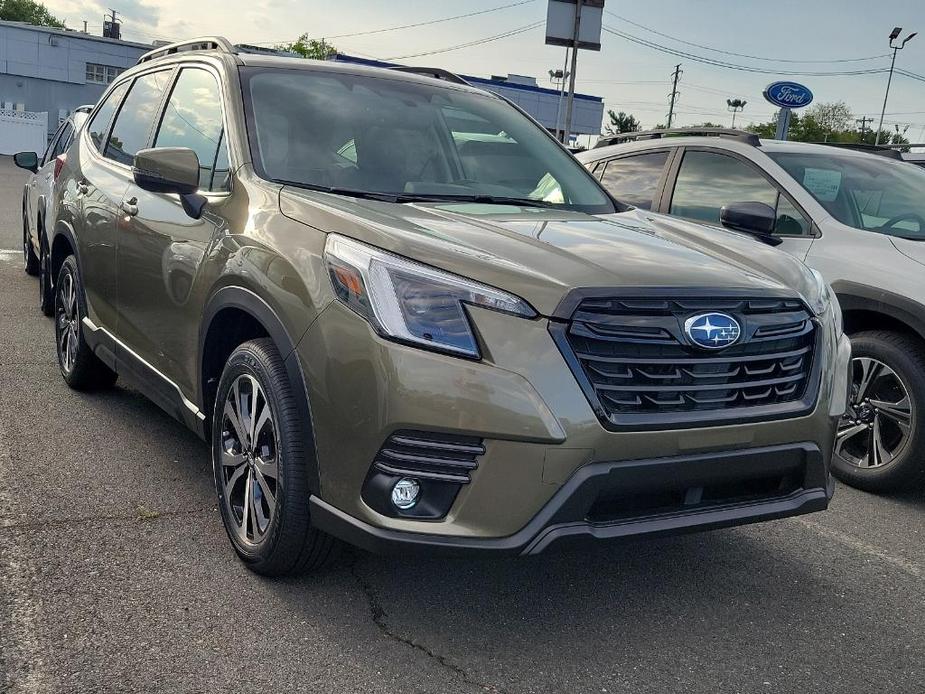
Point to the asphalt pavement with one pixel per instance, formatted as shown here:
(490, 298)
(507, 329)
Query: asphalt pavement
(116, 576)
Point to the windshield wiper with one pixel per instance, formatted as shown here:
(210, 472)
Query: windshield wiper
(420, 197)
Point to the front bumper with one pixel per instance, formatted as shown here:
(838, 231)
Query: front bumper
(669, 496)
(546, 452)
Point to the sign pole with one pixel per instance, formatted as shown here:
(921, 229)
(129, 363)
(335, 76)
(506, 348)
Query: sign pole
(783, 123)
(571, 83)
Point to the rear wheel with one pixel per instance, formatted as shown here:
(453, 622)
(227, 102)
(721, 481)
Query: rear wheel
(880, 443)
(260, 465)
(80, 367)
(30, 260)
(46, 291)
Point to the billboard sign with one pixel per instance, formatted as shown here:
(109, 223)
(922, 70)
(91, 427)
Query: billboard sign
(560, 23)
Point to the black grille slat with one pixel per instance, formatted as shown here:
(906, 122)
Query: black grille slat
(443, 457)
(636, 360)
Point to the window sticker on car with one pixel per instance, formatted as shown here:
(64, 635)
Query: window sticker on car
(822, 183)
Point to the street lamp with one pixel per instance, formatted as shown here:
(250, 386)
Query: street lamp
(735, 105)
(898, 47)
(559, 76)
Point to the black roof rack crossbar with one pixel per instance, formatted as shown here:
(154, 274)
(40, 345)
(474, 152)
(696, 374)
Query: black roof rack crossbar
(741, 135)
(879, 150)
(435, 72)
(203, 43)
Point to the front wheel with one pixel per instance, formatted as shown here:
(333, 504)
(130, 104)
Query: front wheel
(260, 461)
(880, 443)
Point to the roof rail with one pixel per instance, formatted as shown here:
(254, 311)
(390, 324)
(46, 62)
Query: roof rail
(741, 135)
(879, 150)
(435, 72)
(203, 43)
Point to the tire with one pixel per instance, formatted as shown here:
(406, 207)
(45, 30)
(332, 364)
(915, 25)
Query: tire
(30, 260)
(267, 519)
(886, 414)
(80, 367)
(46, 290)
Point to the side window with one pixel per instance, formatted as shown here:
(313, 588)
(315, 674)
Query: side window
(634, 179)
(103, 117)
(52, 144)
(135, 120)
(707, 181)
(790, 221)
(64, 139)
(193, 119)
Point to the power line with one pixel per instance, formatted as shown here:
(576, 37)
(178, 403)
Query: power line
(734, 66)
(415, 24)
(469, 44)
(744, 55)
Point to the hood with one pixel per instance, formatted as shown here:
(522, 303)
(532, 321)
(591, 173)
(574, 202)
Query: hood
(540, 254)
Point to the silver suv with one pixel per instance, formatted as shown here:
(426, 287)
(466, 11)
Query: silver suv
(858, 218)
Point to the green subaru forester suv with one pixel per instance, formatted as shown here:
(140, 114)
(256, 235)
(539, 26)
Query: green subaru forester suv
(406, 318)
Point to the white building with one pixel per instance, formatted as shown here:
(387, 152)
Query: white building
(49, 70)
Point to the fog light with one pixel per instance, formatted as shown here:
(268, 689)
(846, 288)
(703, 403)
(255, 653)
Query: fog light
(405, 493)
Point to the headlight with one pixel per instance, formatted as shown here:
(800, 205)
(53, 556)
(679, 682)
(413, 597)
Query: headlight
(411, 302)
(824, 298)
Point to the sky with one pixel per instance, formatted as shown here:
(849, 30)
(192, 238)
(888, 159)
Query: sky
(628, 76)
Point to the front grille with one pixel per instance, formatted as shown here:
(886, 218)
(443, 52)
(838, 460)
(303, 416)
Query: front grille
(636, 364)
(426, 455)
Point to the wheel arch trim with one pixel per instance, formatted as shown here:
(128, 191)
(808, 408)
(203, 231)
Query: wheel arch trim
(859, 297)
(251, 303)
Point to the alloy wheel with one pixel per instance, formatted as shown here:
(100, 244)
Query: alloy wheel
(877, 425)
(249, 462)
(67, 322)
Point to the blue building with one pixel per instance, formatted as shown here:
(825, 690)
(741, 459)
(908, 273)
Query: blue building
(43, 69)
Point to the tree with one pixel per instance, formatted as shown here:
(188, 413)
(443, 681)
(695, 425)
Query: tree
(309, 48)
(831, 117)
(621, 123)
(28, 11)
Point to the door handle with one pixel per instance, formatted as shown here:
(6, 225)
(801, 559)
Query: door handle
(130, 207)
(82, 187)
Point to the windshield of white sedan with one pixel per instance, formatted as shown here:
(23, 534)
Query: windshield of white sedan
(871, 193)
(392, 137)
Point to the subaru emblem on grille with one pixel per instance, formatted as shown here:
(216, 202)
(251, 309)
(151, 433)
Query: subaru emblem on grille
(712, 330)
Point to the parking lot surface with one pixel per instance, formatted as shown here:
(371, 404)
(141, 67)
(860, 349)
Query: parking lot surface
(116, 575)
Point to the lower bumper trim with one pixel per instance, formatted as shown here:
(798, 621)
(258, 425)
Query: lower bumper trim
(564, 519)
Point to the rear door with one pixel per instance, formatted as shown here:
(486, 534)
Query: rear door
(161, 247)
(706, 179)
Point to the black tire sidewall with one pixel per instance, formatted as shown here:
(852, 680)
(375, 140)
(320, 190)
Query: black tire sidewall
(253, 359)
(46, 289)
(904, 356)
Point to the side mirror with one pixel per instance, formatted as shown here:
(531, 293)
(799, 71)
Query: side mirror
(171, 170)
(753, 218)
(27, 160)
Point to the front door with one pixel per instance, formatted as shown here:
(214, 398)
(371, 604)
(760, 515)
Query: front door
(709, 179)
(161, 248)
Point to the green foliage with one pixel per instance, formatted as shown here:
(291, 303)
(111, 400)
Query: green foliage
(28, 11)
(309, 48)
(621, 123)
(828, 122)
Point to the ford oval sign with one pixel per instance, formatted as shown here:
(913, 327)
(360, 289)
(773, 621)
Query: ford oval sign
(712, 330)
(788, 95)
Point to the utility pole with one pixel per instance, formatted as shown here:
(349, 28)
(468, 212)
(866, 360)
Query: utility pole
(559, 76)
(570, 104)
(863, 121)
(898, 47)
(674, 92)
(111, 28)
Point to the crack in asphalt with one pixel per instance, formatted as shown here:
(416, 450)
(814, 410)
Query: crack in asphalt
(378, 614)
(6, 524)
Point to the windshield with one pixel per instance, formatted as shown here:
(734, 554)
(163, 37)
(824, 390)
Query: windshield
(375, 135)
(865, 192)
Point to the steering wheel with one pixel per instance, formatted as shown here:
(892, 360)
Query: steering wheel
(893, 221)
